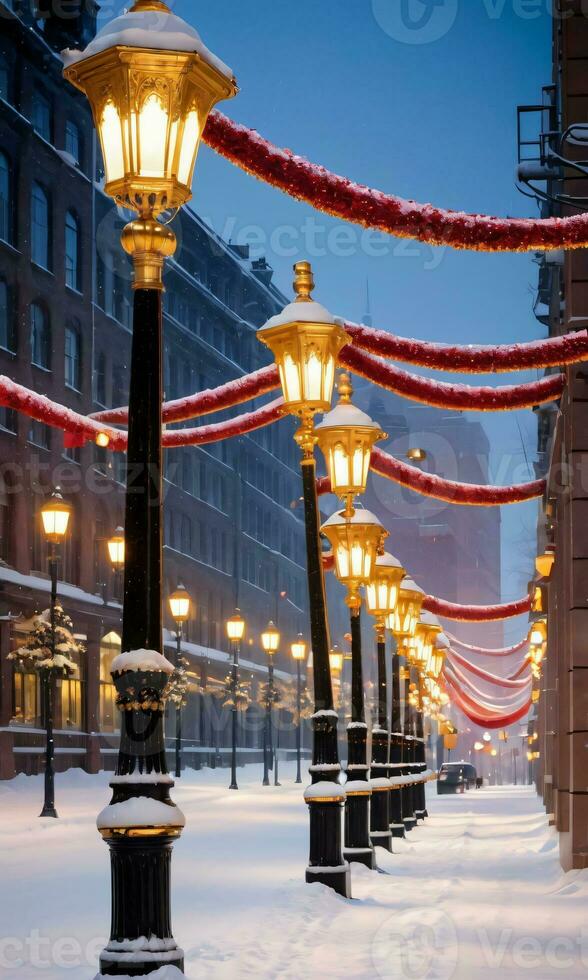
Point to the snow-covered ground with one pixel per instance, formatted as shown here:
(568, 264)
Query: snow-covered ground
(476, 893)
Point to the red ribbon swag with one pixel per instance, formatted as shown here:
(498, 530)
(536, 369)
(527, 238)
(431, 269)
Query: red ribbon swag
(476, 614)
(361, 205)
(489, 651)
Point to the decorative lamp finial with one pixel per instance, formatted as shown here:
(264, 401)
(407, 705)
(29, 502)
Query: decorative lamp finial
(345, 388)
(303, 282)
(141, 5)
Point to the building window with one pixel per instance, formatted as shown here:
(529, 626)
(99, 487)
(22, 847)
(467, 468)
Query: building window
(72, 698)
(72, 358)
(8, 420)
(41, 116)
(40, 224)
(109, 649)
(73, 141)
(5, 199)
(4, 79)
(26, 699)
(7, 332)
(40, 337)
(100, 378)
(72, 252)
(186, 535)
(40, 435)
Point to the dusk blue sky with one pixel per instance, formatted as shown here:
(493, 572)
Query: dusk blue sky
(435, 121)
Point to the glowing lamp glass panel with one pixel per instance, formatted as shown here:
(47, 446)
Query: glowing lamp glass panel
(336, 662)
(179, 604)
(189, 148)
(298, 650)
(55, 517)
(111, 138)
(235, 628)
(116, 551)
(270, 639)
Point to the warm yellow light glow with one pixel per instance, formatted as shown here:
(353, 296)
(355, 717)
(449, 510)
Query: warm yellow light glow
(153, 126)
(103, 440)
(355, 543)
(403, 622)
(270, 639)
(116, 548)
(544, 563)
(478, 746)
(336, 660)
(189, 148)
(55, 516)
(494, 753)
(179, 604)
(298, 648)
(417, 455)
(236, 627)
(112, 143)
(384, 585)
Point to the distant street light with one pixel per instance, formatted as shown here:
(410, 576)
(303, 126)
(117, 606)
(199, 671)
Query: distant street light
(298, 651)
(270, 641)
(235, 633)
(180, 605)
(55, 518)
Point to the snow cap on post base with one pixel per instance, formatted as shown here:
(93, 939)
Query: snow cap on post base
(141, 660)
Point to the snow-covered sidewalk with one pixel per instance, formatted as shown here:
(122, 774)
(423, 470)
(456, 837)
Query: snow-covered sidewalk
(475, 893)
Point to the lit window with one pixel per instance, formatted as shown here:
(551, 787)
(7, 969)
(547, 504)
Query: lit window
(40, 337)
(72, 252)
(40, 250)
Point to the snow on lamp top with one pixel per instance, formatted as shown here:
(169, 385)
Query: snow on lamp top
(151, 83)
(305, 340)
(355, 541)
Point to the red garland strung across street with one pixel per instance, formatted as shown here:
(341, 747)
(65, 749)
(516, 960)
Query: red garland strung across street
(483, 703)
(205, 402)
(498, 702)
(455, 659)
(491, 359)
(452, 492)
(361, 205)
(476, 614)
(485, 720)
(454, 396)
(488, 652)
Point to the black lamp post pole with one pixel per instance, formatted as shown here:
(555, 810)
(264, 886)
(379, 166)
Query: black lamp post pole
(408, 815)
(178, 705)
(326, 864)
(267, 723)
(47, 687)
(358, 846)
(141, 860)
(234, 716)
(396, 738)
(299, 721)
(380, 808)
(420, 758)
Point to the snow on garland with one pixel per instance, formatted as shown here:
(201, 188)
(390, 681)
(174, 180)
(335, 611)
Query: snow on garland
(362, 205)
(440, 394)
(476, 614)
(487, 651)
(45, 652)
(482, 705)
(240, 425)
(211, 400)
(491, 359)
(498, 703)
(457, 661)
(471, 494)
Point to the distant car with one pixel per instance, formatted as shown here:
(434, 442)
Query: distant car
(451, 778)
(468, 772)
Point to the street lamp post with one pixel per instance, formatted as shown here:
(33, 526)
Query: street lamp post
(355, 540)
(305, 340)
(235, 631)
(180, 605)
(346, 437)
(116, 552)
(427, 632)
(381, 598)
(298, 651)
(55, 515)
(270, 641)
(150, 105)
(403, 624)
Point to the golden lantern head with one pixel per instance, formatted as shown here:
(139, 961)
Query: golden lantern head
(427, 631)
(305, 340)
(55, 515)
(270, 639)
(535, 696)
(346, 437)
(403, 622)
(537, 603)
(355, 541)
(336, 660)
(438, 655)
(538, 633)
(179, 604)
(236, 627)
(416, 454)
(102, 440)
(384, 585)
(450, 741)
(116, 548)
(544, 563)
(151, 84)
(298, 648)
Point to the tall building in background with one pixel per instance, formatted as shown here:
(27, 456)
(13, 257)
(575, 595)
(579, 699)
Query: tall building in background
(233, 522)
